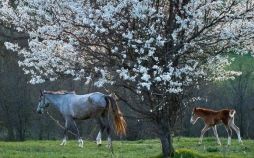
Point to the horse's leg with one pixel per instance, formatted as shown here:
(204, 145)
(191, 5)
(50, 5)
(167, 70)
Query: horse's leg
(98, 138)
(108, 130)
(109, 137)
(206, 128)
(237, 130)
(65, 132)
(216, 134)
(110, 146)
(102, 127)
(80, 141)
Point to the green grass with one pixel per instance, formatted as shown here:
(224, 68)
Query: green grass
(185, 148)
(210, 149)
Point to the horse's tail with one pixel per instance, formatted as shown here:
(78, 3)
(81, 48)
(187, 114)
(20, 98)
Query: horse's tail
(119, 122)
(232, 113)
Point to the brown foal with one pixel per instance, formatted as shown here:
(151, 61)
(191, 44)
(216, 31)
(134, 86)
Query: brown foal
(213, 118)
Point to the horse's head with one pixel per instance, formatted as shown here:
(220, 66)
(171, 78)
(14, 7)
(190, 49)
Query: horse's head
(43, 103)
(194, 116)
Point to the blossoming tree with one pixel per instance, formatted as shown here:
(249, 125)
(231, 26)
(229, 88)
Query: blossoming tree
(156, 49)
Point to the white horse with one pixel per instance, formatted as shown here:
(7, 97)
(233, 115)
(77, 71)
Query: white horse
(81, 107)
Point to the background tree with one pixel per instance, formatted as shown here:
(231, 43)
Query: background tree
(155, 50)
(241, 90)
(236, 94)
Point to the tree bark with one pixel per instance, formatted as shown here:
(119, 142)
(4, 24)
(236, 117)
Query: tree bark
(10, 132)
(166, 142)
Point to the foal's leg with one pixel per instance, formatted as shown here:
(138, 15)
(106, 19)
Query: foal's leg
(216, 134)
(229, 131)
(205, 129)
(232, 125)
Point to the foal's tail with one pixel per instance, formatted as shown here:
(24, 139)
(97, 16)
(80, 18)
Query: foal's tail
(119, 122)
(232, 113)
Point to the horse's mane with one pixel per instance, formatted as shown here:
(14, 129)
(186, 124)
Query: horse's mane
(62, 92)
(205, 110)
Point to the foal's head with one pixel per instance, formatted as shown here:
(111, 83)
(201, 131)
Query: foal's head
(43, 103)
(194, 116)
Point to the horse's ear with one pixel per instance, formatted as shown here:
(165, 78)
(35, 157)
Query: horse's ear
(115, 96)
(41, 92)
(195, 108)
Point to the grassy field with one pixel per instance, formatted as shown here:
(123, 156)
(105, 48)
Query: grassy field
(185, 148)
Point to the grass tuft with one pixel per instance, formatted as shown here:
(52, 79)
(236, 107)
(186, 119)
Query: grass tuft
(212, 149)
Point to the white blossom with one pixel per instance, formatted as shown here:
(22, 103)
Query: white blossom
(75, 38)
(11, 46)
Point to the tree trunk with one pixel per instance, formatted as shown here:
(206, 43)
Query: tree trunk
(9, 126)
(40, 136)
(241, 103)
(167, 147)
(166, 142)
(10, 131)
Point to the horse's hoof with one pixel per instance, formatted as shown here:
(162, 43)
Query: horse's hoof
(63, 143)
(109, 146)
(98, 142)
